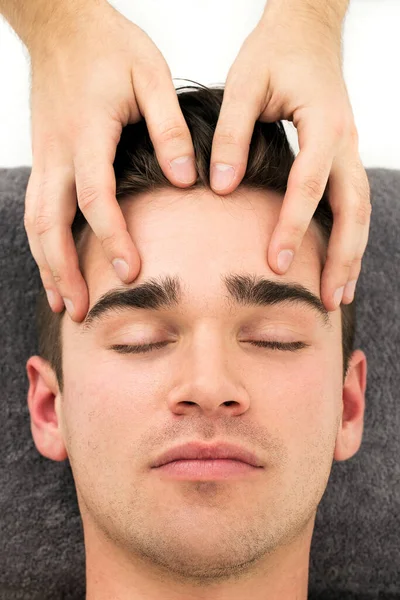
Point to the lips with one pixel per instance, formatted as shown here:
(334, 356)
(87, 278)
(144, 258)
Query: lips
(199, 451)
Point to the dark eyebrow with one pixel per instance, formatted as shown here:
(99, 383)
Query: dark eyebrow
(166, 292)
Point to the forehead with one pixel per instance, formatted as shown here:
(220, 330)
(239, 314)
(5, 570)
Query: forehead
(200, 236)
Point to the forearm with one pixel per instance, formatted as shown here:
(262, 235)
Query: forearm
(33, 20)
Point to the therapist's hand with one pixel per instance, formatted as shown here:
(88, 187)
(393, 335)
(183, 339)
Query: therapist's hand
(289, 67)
(95, 76)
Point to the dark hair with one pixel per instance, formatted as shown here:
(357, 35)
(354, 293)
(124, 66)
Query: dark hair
(137, 170)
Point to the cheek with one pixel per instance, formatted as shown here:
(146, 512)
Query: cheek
(300, 398)
(304, 405)
(107, 403)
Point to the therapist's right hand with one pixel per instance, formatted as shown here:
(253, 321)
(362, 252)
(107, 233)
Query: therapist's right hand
(89, 80)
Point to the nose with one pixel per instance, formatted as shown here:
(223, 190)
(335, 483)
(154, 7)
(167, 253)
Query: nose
(210, 379)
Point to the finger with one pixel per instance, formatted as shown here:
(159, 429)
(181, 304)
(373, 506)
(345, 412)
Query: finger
(158, 103)
(54, 215)
(31, 199)
(350, 287)
(306, 184)
(349, 199)
(240, 108)
(96, 192)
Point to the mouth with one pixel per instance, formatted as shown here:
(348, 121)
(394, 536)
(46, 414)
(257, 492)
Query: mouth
(197, 450)
(206, 469)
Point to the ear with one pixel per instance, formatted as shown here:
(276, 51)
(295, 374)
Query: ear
(44, 406)
(351, 427)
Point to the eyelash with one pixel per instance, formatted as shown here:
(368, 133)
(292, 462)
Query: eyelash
(131, 349)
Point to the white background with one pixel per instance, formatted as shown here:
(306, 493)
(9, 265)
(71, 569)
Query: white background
(201, 38)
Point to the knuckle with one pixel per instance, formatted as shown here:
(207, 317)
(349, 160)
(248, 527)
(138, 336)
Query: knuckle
(356, 265)
(295, 233)
(87, 195)
(343, 127)
(43, 223)
(346, 262)
(341, 262)
(78, 127)
(148, 81)
(109, 242)
(226, 137)
(61, 268)
(339, 128)
(45, 275)
(58, 279)
(65, 273)
(311, 187)
(171, 130)
(150, 70)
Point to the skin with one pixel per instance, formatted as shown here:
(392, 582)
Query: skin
(289, 67)
(153, 538)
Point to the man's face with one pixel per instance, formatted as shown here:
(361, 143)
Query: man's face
(120, 411)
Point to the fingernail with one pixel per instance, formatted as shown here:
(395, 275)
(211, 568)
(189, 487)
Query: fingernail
(349, 289)
(285, 258)
(69, 306)
(50, 297)
(183, 168)
(221, 176)
(337, 298)
(121, 268)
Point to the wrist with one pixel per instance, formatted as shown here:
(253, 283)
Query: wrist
(58, 23)
(326, 14)
(312, 25)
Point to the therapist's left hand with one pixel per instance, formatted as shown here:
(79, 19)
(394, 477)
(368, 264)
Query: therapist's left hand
(289, 67)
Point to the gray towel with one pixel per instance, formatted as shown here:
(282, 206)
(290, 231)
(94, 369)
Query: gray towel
(355, 552)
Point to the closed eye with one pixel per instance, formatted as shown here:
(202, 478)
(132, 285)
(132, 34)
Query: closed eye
(291, 346)
(273, 345)
(136, 349)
